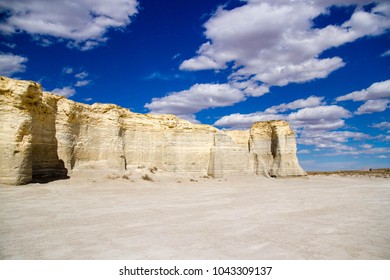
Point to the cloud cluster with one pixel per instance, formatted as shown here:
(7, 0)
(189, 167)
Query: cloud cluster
(311, 114)
(376, 97)
(286, 51)
(265, 55)
(69, 91)
(11, 64)
(82, 22)
(316, 126)
(382, 125)
(198, 97)
(319, 124)
(312, 101)
(244, 121)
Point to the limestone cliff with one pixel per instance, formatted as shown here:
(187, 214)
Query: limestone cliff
(48, 136)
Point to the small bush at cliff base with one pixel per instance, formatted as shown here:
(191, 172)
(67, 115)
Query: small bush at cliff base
(153, 169)
(146, 177)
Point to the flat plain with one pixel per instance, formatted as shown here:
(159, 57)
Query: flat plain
(316, 217)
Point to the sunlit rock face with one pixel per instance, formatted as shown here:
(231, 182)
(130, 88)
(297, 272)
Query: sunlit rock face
(44, 136)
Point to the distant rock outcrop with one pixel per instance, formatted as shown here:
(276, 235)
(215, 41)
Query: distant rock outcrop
(48, 136)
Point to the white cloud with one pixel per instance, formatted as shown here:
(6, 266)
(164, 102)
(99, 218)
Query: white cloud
(67, 70)
(373, 106)
(366, 146)
(314, 122)
(65, 91)
(382, 125)
(320, 117)
(287, 50)
(164, 77)
(312, 115)
(356, 152)
(11, 64)
(9, 45)
(335, 140)
(81, 75)
(241, 121)
(84, 22)
(378, 90)
(386, 53)
(197, 98)
(244, 121)
(312, 101)
(82, 83)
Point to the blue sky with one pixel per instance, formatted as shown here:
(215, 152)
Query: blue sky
(321, 65)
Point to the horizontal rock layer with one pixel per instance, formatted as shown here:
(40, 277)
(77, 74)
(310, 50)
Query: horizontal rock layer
(43, 135)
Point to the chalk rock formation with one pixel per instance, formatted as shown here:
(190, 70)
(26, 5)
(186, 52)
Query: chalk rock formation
(48, 136)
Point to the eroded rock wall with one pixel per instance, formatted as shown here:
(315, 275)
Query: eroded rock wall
(273, 149)
(45, 135)
(28, 143)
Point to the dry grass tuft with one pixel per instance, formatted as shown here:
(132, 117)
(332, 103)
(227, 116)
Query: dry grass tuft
(153, 169)
(146, 177)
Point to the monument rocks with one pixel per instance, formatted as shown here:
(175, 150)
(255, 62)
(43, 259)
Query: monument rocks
(45, 136)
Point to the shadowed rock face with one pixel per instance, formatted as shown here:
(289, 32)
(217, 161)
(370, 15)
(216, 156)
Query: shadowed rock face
(43, 136)
(28, 141)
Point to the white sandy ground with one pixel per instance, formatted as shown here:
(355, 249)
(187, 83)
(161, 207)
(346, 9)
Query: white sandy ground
(235, 218)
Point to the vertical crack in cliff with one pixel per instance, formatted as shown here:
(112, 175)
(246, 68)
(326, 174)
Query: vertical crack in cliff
(46, 166)
(121, 135)
(274, 151)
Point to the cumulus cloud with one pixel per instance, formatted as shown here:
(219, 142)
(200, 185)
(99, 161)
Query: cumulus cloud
(356, 152)
(65, 91)
(376, 98)
(313, 114)
(83, 22)
(316, 126)
(382, 125)
(11, 64)
(315, 123)
(330, 139)
(287, 50)
(82, 83)
(378, 90)
(164, 77)
(197, 98)
(244, 121)
(319, 118)
(386, 53)
(312, 101)
(81, 75)
(67, 70)
(372, 106)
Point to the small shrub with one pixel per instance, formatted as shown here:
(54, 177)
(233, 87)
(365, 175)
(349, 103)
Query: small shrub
(153, 169)
(146, 177)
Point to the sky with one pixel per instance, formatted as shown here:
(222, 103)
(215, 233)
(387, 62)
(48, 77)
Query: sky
(322, 65)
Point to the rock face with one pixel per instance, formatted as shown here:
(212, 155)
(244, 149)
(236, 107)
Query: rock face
(48, 136)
